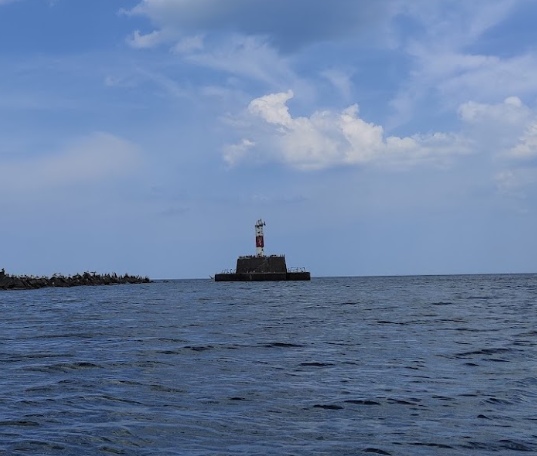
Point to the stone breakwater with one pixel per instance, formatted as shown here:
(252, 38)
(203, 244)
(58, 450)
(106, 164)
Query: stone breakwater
(14, 282)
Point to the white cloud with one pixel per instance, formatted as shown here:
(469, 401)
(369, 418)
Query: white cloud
(290, 24)
(147, 41)
(169, 85)
(527, 147)
(189, 44)
(507, 131)
(329, 138)
(246, 37)
(453, 25)
(487, 78)
(234, 153)
(504, 132)
(447, 68)
(508, 128)
(245, 57)
(272, 108)
(515, 182)
(511, 111)
(249, 57)
(89, 160)
(183, 44)
(340, 79)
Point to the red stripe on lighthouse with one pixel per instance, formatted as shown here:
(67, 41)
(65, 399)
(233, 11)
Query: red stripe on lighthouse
(259, 241)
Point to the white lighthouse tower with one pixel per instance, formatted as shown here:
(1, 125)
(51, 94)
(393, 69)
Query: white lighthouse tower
(259, 238)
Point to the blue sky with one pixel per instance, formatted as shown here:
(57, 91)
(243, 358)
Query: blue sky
(378, 137)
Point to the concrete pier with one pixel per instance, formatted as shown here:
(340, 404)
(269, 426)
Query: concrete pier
(260, 269)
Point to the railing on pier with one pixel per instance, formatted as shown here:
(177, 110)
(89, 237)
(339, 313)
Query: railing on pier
(296, 269)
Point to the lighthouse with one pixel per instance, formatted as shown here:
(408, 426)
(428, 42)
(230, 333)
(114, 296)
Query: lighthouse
(259, 239)
(259, 267)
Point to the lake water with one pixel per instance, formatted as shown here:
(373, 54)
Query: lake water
(443, 365)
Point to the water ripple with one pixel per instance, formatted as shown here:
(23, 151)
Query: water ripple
(388, 366)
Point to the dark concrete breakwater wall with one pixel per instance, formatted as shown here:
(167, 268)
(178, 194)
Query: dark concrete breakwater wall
(18, 282)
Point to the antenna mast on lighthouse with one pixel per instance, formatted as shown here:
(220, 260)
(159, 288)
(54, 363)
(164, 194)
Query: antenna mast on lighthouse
(259, 238)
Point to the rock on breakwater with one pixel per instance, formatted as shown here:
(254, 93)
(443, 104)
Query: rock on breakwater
(21, 282)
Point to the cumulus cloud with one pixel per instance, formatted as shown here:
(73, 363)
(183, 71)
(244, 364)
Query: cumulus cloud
(503, 131)
(329, 138)
(508, 132)
(89, 160)
(511, 111)
(509, 128)
(289, 24)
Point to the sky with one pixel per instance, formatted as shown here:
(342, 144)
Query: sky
(386, 137)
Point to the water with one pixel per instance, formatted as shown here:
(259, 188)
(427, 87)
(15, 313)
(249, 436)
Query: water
(339, 366)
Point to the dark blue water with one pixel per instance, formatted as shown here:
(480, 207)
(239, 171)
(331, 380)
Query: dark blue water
(347, 366)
